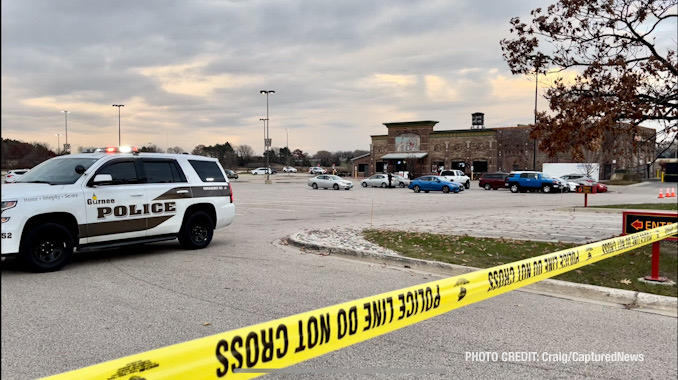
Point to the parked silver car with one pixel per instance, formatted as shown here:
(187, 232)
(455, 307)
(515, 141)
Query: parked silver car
(13, 175)
(400, 181)
(580, 179)
(378, 180)
(327, 181)
(262, 171)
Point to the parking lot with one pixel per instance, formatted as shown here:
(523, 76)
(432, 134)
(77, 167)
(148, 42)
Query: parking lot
(114, 303)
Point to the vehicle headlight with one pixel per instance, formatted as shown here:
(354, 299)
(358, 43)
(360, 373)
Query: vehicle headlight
(6, 205)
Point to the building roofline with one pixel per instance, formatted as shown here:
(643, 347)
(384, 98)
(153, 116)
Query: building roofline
(361, 156)
(422, 123)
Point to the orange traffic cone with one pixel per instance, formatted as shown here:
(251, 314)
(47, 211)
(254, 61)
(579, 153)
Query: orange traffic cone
(668, 193)
(673, 192)
(661, 194)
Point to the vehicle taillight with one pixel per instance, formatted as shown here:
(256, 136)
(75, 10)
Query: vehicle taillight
(230, 187)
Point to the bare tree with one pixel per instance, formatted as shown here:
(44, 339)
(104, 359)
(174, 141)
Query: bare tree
(245, 153)
(325, 157)
(624, 75)
(152, 148)
(176, 149)
(199, 150)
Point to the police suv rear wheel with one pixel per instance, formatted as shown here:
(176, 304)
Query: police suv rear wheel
(197, 231)
(47, 247)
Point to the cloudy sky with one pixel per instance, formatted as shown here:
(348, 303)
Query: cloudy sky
(189, 72)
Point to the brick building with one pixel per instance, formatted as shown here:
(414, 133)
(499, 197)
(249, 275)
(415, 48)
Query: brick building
(414, 146)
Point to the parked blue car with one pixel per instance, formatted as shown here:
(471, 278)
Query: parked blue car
(433, 183)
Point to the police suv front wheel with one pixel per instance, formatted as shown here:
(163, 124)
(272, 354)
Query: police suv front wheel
(47, 247)
(197, 231)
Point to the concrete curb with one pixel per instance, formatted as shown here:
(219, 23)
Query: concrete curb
(627, 298)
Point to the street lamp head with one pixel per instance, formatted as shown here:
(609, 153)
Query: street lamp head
(267, 92)
(65, 111)
(118, 105)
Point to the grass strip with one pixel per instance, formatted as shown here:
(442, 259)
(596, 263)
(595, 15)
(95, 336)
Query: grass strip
(621, 271)
(645, 206)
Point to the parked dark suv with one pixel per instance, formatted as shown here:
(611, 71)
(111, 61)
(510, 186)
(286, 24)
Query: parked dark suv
(492, 181)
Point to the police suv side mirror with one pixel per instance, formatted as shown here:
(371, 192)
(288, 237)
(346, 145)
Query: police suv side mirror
(80, 169)
(102, 178)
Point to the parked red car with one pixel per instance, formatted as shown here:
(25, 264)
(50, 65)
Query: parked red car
(492, 181)
(601, 188)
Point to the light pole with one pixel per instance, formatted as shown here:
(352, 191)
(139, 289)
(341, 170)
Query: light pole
(58, 142)
(536, 87)
(287, 146)
(118, 105)
(267, 141)
(265, 145)
(66, 121)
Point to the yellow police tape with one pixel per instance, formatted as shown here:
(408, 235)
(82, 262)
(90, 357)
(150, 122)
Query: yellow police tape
(255, 350)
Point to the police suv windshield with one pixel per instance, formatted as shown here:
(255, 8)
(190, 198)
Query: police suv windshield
(57, 171)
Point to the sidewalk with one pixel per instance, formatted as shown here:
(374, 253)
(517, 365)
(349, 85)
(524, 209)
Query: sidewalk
(349, 242)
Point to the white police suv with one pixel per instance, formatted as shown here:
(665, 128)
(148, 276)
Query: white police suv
(111, 198)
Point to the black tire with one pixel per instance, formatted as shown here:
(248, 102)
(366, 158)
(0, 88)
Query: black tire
(197, 231)
(364, 184)
(336, 187)
(426, 191)
(467, 184)
(47, 248)
(401, 184)
(383, 185)
(416, 189)
(314, 186)
(446, 189)
(546, 189)
(487, 186)
(514, 188)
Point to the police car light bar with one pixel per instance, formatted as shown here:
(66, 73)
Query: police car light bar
(115, 149)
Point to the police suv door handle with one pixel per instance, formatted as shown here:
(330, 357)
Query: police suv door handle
(136, 194)
(182, 191)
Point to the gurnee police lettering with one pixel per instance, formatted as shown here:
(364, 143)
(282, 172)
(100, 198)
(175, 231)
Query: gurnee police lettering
(132, 210)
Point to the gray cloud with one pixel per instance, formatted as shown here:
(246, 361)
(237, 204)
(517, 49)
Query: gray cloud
(192, 70)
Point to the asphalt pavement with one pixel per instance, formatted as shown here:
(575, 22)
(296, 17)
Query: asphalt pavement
(109, 304)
